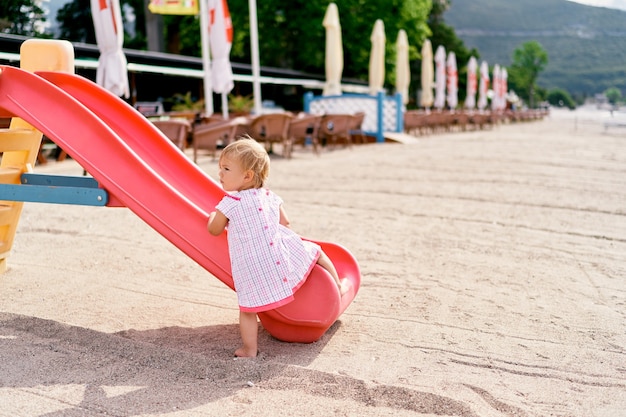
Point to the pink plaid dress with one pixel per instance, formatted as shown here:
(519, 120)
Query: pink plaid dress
(269, 261)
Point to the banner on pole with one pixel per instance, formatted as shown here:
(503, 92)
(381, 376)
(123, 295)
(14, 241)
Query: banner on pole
(181, 7)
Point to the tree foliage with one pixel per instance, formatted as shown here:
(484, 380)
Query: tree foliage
(585, 44)
(560, 98)
(22, 17)
(291, 34)
(75, 22)
(138, 39)
(613, 94)
(529, 60)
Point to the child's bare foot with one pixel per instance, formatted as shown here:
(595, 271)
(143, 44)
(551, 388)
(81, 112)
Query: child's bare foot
(244, 353)
(344, 286)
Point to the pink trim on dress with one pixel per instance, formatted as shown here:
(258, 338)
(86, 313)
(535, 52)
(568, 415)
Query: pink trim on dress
(233, 197)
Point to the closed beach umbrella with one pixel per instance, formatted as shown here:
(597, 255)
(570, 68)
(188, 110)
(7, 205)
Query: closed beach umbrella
(220, 39)
(334, 51)
(403, 71)
(427, 75)
(440, 77)
(495, 99)
(470, 98)
(377, 58)
(452, 81)
(107, 20)
(483, 86)
(504, 76)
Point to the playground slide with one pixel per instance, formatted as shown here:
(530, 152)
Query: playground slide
(141, 169)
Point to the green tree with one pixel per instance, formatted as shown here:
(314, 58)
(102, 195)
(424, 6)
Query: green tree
(22, 17)
(182, 34)
(528, 61)
(613, 94)
(560, 98)
(291, 34)
(138, 38)
(76, 23)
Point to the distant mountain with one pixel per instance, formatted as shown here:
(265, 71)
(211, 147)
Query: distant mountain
(586, 45)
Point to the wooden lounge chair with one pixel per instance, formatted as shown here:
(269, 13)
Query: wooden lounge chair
(175, 129)
(272, 128)
(480, 120)
(461, 120)
(305, 128)
(190, 115)
(415, 122)
(209, 135)
(335, 128)
(213, 118)
(355, 128)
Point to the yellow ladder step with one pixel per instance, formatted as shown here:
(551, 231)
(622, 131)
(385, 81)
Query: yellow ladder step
(10, 175)
(18, 139)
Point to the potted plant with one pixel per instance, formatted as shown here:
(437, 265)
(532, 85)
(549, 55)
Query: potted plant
(240, 105)
(184, 106)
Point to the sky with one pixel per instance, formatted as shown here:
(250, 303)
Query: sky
(613, 4)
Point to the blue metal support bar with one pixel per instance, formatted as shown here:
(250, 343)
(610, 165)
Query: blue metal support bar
(380, 97)
(400, 113)
(55, 189)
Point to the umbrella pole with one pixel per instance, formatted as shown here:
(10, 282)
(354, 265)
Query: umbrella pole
(256, 66)
(225, 105)
(206, 59)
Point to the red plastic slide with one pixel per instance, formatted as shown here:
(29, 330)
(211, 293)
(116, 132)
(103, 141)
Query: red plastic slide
(142, 170)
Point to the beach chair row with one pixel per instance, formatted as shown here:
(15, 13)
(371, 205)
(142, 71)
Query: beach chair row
(283, 130)
(418, 122)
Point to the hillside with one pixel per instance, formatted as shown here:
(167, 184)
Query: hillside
(586, 45)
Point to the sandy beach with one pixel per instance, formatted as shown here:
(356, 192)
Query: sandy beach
(493, 284)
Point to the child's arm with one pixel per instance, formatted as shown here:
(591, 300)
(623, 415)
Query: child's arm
(284, 220)
(217, 223)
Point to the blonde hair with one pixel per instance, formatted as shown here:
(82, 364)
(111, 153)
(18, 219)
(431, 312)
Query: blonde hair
(251, 155)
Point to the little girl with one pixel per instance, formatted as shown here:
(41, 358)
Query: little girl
(269, 261)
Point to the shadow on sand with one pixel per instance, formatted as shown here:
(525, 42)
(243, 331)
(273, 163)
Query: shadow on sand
(86, 372)
(156, 371)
